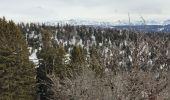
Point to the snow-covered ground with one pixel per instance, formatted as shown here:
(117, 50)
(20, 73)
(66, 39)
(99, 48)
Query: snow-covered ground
(33, 56)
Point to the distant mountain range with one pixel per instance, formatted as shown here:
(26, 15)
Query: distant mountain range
(146, 26)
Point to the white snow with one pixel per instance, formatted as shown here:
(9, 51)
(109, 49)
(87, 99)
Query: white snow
(30, 49)
(73, 41)
(110, 43)
(130, 58)
(150, 62)
(31, 35)
(160, 29)
(35, 36)
(120, 63)
(162, 66)
(80, 43)
(33, 58)
(106, 50)
(122, 52)
(125, 42)
(67, 58)
(100, 44)
(167, 53)
(93, 40)
(27, 29)
(93, 37)
(106, 70)
(120, 32)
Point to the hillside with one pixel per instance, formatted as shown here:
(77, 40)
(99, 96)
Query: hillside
(93, 57)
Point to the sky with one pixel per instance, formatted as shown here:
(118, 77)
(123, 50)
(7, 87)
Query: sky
(104, 10)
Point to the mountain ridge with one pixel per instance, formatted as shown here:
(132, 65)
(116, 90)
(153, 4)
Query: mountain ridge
(108, 23)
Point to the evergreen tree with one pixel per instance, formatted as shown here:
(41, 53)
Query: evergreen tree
(77, 55)
(95, 61)
(46, 67)
(77, 60)
(48, 53)
(59, 64)
(17, 75)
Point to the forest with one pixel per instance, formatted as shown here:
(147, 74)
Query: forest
(82, 62)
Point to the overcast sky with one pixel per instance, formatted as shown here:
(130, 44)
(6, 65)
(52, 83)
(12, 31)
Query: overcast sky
(108, 10)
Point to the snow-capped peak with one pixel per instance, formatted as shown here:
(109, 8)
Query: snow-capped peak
(107, 23)
(80, 22)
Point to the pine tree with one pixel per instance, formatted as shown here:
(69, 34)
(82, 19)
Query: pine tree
(77, 55)
(46, 67)
(77, 60)
(95, 61)
(48, 53)
(59, 64)
(17, 74)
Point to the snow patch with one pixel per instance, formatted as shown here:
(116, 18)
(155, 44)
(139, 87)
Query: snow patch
(33, 57)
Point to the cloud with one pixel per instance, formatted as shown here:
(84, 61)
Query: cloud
(41, 10)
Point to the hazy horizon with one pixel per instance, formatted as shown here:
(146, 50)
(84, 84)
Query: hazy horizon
(103, 10)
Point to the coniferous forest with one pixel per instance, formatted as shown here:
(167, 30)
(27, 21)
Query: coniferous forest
(82, 62)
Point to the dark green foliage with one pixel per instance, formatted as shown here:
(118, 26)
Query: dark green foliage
(60, 66)
(77, 55)
(51, 63)
(46, 56)
(110, 51)
(95, 61)
(77, 60)
(17, 74)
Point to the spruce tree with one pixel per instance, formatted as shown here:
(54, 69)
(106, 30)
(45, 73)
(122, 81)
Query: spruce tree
(77, 55)
(17, 75)
(46, 67)
(95, 61)
(77, 60)
(59, 62)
